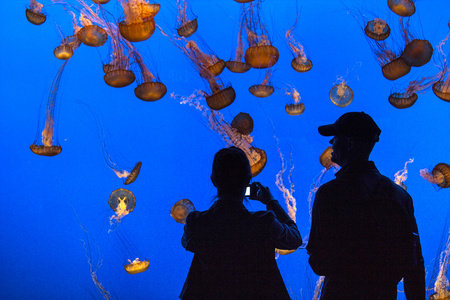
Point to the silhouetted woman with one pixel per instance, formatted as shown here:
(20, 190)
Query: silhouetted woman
(234, 249)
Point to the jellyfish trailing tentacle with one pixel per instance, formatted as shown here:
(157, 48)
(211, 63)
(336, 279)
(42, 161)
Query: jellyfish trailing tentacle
(401, 176)
(440, 175)
(296, 108)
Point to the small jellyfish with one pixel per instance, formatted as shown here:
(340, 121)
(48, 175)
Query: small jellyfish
(403, 8)
(90, 34)
(401, 176)
(133, 174)
(46, 142)
(402, 100)
(407, 98)
(185, 27)
(118, 73)
(440, 175)
(100, 1)
(341, 94)
(68, 46)
(236, 65)
(441, 88)
(206, 64)
(181, 209)
(34, 13)
(325, 158)
(377, 29)
(260, 54)
(300, 62)
(263, 89)
(150, 88)
(139, 22)
(296, 108)
(243, 123)
(122, 202)
(136, 266)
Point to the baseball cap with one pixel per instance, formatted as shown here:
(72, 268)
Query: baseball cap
(357, 125)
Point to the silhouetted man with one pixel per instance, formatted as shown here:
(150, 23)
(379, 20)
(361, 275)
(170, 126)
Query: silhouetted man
(364, 237)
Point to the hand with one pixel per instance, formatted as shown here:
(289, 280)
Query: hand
(262, 194)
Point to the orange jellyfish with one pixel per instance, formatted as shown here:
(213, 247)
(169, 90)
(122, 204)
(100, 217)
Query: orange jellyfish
(401, 176)
(417, 52)
(296, 108)
(46, 142)
(236, 65)
(68, 45)
(122, 202)
(90, 34)
(264, 89)
(440, 175)
(100, 1)
(441, 88)
(341, 94)
(377, 29)
(403, 8)
(181, 209)
(150, 88)
(139, 22)
(260, 53)
(257, 157)
(243, 123)
(325, 158)
(407, 98)
(204, 62)
(185, 27)
(34, 13)
(300, 62)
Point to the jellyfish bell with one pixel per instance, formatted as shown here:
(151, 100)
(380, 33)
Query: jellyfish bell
(258, 159)
(261, 90)
(402, 100)
(301, 65)
(215, 69)
(136, 266)
(377, 29)
(36, 18)
(341, 94)
(92, 35)
(133, 174)
(150, 91)
(442, 90)
(181, 209)
(137, 31)
(441, 172)
(395, 69)
(295, 109)
(325, 158)
(119, 78)
(442, 294)
(261, 57)
(237, 66)
(284, 252)
(63, 52)
(188, 29)
(243, 123)
(100, 1)
(46, 150)
(403, 8)
(221, 98)
(122, 202)
(417, 53)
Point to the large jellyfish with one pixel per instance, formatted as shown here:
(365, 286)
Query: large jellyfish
(257, 157)
(91, 34)
(440, 175)
(243, 123)
(417, 52)
(46, 141)
(341, 94)
(260, 53)
(181, 209)
(401, 176)
(294, 108)
(403, 8)
(150, 88)
(34, 13)
(185, 27)
(236, 65)
(264, 89)
(300, 62)
(139, 22)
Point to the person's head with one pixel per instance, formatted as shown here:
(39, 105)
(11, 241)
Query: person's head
(354, 136)
(231, 173)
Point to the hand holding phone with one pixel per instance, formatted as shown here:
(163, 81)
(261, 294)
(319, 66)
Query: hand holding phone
(256, 191)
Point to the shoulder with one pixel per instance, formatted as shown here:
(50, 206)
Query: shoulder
(263, 216)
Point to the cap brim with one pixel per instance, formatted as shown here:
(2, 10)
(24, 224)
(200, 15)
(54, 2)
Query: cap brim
(327, 130)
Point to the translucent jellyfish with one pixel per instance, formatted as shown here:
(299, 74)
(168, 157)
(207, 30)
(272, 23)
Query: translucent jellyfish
(403, 8)
(34, 13)
(260, 53)
(139, 22)
(91, 34)
(341, 94)
(46, 141)
(257, 157)
(67, 47)
(440, 175)
(181, 209)
(206, 64)
(377, 29)
(401, 176)
(185, 27)
(150, 88)
(300, 62)
(263, 89)
(243, 123)
(122, 202)
(236, 65)
(441, 87)
(296, 108)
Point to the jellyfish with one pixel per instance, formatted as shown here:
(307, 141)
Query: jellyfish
(46, 141)
(441, 88)
(417, 52)
(122, 202)
(150, 88)
(206, 64)
(243, 123)
(257, 157)
(325, 158)
(34, 13)
(440, 175)
(300, 62)
(100, 1)
(296, 108)
(185, 27)
(181, 209)
(69, 44)
(236, 65)
(139, 22)
(243, 1)
(341, 94)
(263, 89)
(439, 284)
(377, 29)
(260, 53)
(402, 175)
(91, 34)
(403, 8)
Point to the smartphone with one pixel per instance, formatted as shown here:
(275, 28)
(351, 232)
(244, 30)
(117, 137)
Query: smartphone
(251, 191)
(248, 191)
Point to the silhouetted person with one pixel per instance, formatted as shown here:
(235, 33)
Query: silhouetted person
(364, 237)
(234, 249)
